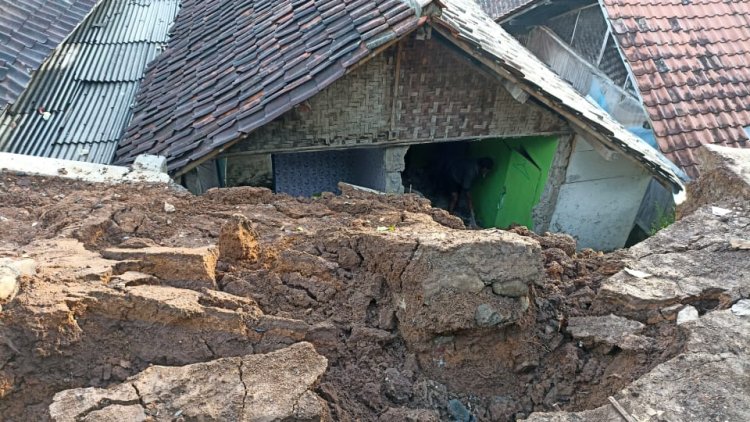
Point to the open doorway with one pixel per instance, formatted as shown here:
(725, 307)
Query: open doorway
(504, 197)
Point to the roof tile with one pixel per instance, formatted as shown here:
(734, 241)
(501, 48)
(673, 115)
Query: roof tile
(703, 95)
(275, 54)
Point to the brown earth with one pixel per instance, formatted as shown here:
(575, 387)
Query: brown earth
(418, 318)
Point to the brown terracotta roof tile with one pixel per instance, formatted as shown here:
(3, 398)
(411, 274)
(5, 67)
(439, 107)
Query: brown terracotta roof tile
(691, 62)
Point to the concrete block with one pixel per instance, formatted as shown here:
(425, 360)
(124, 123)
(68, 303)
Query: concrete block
(155, 163)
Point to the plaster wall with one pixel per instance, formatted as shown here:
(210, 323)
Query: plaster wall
(599, 200)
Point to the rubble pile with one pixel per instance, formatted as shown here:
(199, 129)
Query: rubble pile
(245, 305)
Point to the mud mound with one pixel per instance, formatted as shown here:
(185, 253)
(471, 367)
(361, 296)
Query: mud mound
(418, 318)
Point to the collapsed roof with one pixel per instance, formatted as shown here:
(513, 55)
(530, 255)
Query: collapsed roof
(232, 67)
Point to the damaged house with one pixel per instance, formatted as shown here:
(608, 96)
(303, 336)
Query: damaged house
(312, 93)
(69, 72)
(674, 73)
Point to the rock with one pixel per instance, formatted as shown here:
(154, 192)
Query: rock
(725, 175)
(471, 261)
(403, 414)
(169, 208)
(71, 405)
(687, 314)
(396, 386)
(272, 387)
(707, 381)
(155, 163)
(487, 316)
(10, 272)
(238, 241)
(611, 330)
(193, 268)
(8, 284)
(117, 413)
(741, 308)
(670, 312)
(513, 288)
(685, 267)
(459, 412)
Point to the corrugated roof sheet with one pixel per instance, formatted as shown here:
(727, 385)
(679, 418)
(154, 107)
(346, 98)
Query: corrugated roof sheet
(499, 9)
(89, 84)
(477, 33)
(29, 31)
(691, 62)
(234, 65)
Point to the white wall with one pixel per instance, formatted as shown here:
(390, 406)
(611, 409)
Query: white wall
(599, 199)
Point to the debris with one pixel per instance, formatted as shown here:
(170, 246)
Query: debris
(169, 208)
(611, 330)
(274, 386)
(621, 410)
(741, 308)
(720, 212)
(636, 273)
(687, 314)
(238, 241)
(739, 244)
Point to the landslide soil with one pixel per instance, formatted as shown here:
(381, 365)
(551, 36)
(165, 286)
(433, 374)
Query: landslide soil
(497, 374)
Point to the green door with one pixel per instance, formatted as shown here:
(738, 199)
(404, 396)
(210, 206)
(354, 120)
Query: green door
(518, 198)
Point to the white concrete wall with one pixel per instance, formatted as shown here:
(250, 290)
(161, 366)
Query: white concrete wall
(90, 172)
(599, 200)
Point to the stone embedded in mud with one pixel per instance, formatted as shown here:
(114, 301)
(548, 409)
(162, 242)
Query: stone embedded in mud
(687, 314)
(512, 288)
(8, 284)
(741, 308)
(238, 241)
(272, 387)
(10, 271)
(181, 267)
(487, 316)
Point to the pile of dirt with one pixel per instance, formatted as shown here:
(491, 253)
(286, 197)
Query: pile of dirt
(418, 318)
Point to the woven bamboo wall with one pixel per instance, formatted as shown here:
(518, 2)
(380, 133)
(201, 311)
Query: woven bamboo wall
(441, 96)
